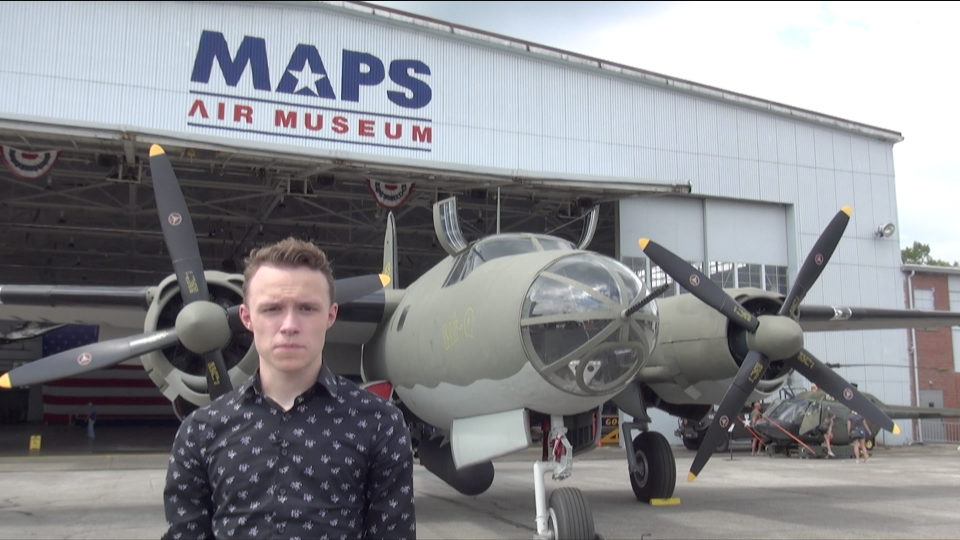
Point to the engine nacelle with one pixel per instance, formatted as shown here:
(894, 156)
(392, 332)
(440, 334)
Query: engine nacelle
(699, 351)
(181, 373)
(437, 458)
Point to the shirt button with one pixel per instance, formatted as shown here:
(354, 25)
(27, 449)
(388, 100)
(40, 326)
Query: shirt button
(286, 416)
(283, 452)
(283, 491)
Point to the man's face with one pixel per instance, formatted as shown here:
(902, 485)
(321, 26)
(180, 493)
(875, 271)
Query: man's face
(289, 311)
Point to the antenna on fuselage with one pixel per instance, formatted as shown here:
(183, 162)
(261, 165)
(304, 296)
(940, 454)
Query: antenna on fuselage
(498, 210)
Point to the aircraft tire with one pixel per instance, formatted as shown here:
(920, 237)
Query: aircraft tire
(694, 444)
(723, 445)
(658, 475)
(570, 515)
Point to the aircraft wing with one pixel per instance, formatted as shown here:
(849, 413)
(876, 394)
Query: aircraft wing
(832, 318)
(121, 307)
(906, 411)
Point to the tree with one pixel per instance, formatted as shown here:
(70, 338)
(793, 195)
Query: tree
(920, 254)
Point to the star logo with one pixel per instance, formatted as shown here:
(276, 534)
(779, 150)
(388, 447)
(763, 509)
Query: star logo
(818, 259)
(306, 79)
(724, 421)
(694, 280)
(174, 219)
(847, 394)
(84, 358)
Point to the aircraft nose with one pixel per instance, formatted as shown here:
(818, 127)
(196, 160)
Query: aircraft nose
(572, 328)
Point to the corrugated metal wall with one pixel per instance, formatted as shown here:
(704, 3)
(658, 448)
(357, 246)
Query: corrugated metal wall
(125, 63)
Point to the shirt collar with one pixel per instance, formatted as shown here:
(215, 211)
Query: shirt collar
(325, 378)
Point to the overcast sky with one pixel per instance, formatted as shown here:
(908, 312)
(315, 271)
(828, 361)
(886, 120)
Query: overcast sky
(892, 66)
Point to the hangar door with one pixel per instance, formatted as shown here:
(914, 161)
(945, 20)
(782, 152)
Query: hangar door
(736, 243)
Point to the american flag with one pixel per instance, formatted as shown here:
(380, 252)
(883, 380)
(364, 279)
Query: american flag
(124, 391)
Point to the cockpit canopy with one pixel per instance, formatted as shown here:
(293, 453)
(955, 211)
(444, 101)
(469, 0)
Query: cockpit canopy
(503, 245)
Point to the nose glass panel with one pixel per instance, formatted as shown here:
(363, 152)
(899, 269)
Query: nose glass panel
(571, 324)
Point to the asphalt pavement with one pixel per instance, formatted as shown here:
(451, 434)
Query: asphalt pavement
(111, 488)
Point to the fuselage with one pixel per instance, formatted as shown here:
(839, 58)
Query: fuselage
(517, 321)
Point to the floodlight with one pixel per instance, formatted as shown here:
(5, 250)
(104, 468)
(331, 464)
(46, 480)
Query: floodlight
(886, 230)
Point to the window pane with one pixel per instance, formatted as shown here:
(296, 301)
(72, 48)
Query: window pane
(956, 350)
(954, 300)
(923, 298)
(776, 278)
(749, 275)
(721, 273)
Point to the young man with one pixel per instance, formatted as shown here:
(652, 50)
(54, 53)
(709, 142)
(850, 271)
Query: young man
(296, 451)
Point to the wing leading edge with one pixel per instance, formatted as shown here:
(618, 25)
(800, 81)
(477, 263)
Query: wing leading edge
(832, 318)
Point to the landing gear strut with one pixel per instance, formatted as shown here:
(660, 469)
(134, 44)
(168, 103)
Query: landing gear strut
(568, 516)
(653, 470)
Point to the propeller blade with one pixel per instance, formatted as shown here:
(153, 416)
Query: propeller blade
(178, 232)
(88, 358)
(832, 383)
(743, 384)
(218, 379)
(354, 288)
(816, 261)
(698, 284)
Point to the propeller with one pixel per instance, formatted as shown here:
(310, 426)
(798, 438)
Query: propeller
(181, 240)
(202, 326)
(769, 337)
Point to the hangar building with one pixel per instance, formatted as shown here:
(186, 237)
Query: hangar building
(287, 117)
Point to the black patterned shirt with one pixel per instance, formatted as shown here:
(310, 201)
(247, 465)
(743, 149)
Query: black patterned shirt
(337, 465)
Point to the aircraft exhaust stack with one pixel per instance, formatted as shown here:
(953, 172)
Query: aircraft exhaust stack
(472, 480)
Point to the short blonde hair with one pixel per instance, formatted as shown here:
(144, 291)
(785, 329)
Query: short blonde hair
(290, 253)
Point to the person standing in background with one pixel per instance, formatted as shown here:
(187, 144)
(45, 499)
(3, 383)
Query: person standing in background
(858, 429)
(91, 419)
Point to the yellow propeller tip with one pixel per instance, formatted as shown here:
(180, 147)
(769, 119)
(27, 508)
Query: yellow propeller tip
(847, 210)
(691, 477)
(156, 150)
(643, 243)
(5, 381)
(384, 279)
(896, 429)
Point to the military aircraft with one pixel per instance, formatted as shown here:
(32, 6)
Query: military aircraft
(796, 424)
(508, 331)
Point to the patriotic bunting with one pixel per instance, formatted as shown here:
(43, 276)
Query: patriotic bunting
(389, 195)
(29, 165)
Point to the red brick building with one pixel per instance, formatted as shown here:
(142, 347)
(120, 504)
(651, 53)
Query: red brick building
(936, 378)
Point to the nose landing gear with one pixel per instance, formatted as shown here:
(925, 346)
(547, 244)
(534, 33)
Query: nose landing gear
(568, 516)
